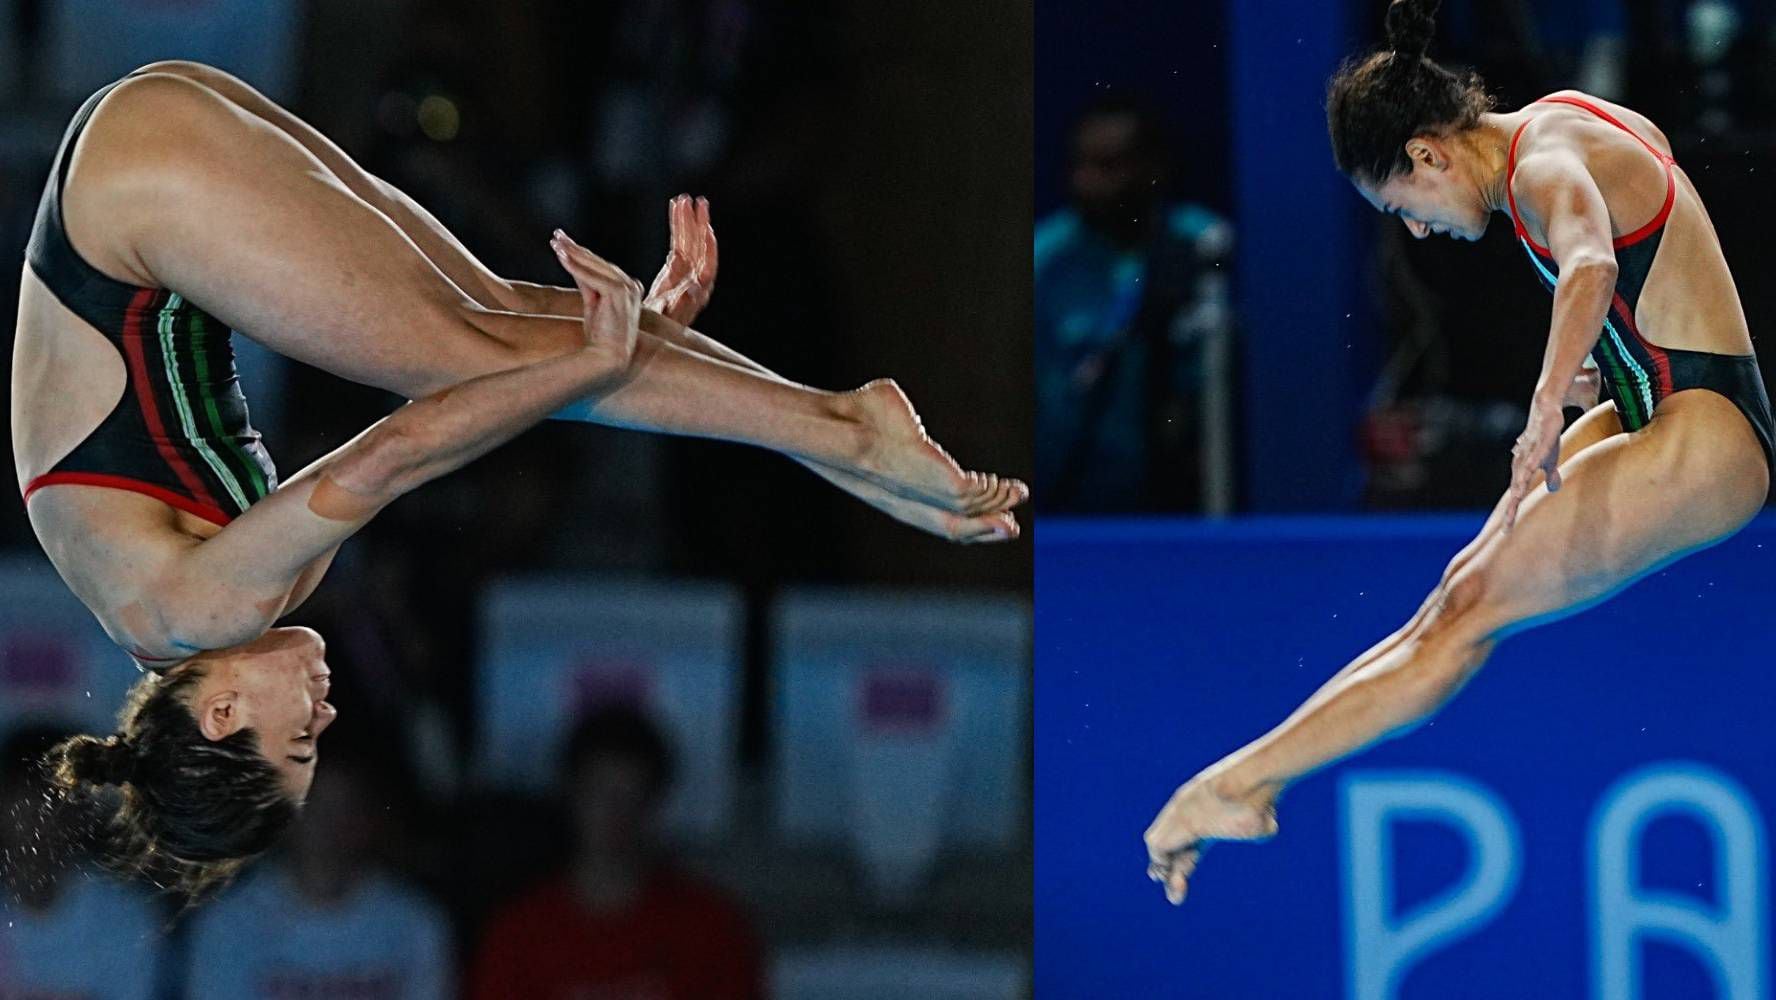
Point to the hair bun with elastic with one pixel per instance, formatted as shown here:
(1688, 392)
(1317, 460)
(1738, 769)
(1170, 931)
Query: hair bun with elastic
(109, 761)
(1410, 25)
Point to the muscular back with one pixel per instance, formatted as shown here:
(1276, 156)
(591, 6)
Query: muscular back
(1689, 301)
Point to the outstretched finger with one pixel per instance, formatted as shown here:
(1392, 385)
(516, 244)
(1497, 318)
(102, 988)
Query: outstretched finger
(1178, 878)
(592, 262)
(1523, 470)
(584, 275)
(1551, 469)
(573, 268)
(592, 265)
(706, 261)
(705, 267)
(596, 272)
(1177, 887)
(683, 229)
(1512, 499)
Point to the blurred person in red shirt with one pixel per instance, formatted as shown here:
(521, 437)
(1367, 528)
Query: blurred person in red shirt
(620, 923)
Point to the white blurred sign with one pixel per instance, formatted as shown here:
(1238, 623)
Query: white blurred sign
(56, 664)
(900, 721)
(897, 973)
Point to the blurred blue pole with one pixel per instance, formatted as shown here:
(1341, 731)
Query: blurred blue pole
(1298, 260)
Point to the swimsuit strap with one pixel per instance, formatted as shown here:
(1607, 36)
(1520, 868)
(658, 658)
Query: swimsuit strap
(1578, 102)
(1669, 163)
(1511, 196)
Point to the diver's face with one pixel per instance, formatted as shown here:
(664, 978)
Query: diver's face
(1433, 198)
(277, 686)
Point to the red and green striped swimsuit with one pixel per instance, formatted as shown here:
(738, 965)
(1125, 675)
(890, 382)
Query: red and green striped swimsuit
(180, 432)
(1636, 372)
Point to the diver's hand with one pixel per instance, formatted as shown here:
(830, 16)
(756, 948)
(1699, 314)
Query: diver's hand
(611, 301)
(682, 288)
(1201, 811)
(1538, 447)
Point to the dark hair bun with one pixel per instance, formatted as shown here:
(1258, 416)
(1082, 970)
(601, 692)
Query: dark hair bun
(1410, 25)
(87, 760)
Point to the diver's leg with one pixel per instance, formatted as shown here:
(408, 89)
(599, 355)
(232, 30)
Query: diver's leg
(1595, 425)
(174, 186)
(1627, 505)
(438, 244)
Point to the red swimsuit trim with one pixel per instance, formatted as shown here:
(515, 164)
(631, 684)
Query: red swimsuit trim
(1661, 360)
(131, 339)
(214, 515)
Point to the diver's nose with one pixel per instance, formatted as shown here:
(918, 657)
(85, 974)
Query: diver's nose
(1418, 229)
(324, 715)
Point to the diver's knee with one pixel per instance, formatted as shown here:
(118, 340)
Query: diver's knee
(1465, 608)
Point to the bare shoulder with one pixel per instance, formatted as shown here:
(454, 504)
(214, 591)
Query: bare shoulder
(1553, 186)
(1641, 124)
(1553, 162)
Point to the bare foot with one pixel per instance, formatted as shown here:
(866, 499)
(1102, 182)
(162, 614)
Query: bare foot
(1197, 814)
(905, 461)
(999, 526)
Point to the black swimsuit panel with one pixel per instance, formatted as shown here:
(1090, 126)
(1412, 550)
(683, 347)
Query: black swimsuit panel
(180, 432)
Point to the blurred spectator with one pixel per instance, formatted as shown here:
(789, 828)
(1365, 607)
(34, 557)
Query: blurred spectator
(619, 923)
(1131, 326)
(329, 920)
(64, 933)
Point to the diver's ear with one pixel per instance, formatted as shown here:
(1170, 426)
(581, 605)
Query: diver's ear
(218, 715)
(1425, 151)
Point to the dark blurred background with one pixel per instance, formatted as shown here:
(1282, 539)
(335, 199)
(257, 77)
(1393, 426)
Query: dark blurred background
(1312, 357)
(868, 168)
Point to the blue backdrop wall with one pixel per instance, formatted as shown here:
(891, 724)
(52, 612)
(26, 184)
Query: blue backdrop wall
(1586, 819)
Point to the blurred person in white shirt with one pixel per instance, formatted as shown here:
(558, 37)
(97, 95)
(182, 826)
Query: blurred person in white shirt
(329, 919)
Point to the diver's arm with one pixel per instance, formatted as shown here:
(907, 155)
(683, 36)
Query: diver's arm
(1554, 188)
(230, 588)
